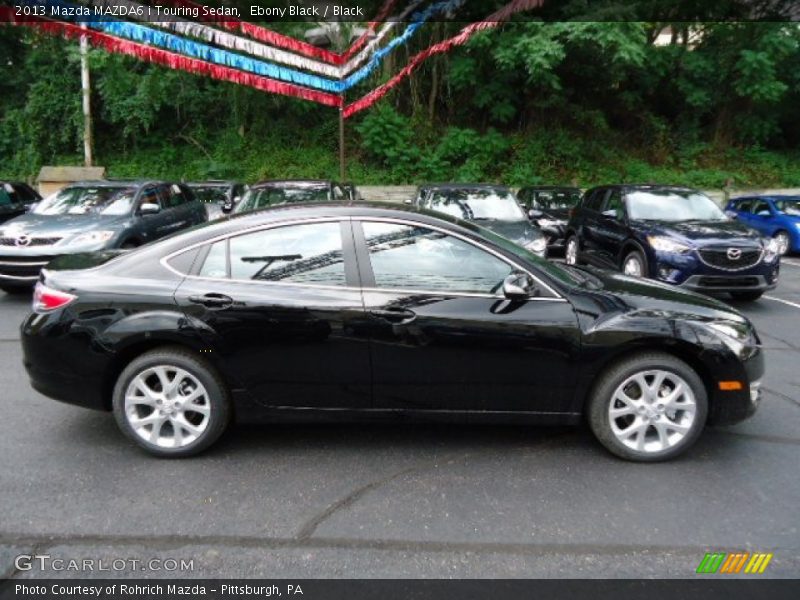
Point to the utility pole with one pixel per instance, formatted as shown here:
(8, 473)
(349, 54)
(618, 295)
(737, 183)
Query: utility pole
(87, 100)
(341, 143)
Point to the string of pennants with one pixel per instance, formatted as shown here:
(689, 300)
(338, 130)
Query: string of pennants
(233, 50)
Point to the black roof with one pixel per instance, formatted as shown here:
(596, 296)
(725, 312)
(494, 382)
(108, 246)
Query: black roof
(117, 182)
(465, 186)
(548, 188)
(646, 186)
(212, 183)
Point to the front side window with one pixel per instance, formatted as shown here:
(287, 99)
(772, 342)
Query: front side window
(210, 194)
(476, 205)
(614, 207)
(672, 205)
(555, 199)
(273, 196)
(760, 208)
(417, 258)
(788, 206)
(594, 200)
(309, 253)
(103, 200)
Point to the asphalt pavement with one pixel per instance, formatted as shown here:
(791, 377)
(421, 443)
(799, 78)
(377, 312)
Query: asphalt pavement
(404, 500)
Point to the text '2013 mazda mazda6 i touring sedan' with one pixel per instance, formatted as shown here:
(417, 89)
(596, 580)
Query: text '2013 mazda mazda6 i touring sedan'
(366, 312)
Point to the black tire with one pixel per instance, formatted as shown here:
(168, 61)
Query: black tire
(747, 296)
(217, 394)
(603, 391)
(639, 258)
(129, 245)
(16, 290)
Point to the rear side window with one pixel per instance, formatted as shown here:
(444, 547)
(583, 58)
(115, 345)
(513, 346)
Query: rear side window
(309, 253)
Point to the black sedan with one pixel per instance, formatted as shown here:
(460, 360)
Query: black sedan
(368, 312)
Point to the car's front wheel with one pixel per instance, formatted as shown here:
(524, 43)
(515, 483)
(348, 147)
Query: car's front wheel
(571, 250)
(634, 264)
(648, 408)
(171, 403)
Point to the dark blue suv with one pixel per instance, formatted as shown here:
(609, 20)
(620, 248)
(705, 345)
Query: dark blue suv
(672, 234)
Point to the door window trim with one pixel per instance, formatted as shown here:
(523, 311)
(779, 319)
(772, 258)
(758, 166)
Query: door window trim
(365, 264)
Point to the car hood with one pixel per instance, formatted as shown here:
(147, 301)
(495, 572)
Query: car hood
(518, 232)
(702, 233)
(645, 296)
(59, 225)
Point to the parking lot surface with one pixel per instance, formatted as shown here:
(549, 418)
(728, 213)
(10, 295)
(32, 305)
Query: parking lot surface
(403, 500)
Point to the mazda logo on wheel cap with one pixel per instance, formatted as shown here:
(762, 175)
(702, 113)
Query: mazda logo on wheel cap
(22, 240)
(734, 253)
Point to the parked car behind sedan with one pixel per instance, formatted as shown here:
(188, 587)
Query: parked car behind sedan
(291, 191)
(218, 196)
(674, 234)
(16, 198)
(89, 216)
(777, 217)
(548, 207)
(491, 206)
(369, 312)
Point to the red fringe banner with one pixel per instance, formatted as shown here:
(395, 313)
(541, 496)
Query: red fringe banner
(459, 39)
(175, 61)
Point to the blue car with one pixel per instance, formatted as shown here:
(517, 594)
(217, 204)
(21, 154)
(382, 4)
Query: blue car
(777, 217)
(672, 234)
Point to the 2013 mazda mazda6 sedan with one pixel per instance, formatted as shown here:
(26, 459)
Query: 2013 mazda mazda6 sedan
(365, 311)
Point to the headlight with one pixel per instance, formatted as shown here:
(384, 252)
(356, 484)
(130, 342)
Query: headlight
(737, 336)
(551, 223)
(92, 238)
(771, 250)
(537, 246)
(665, 244)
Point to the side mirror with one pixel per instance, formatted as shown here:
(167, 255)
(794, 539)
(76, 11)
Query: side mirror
(408, 201)
(731, 213)
(611, 214)
(228, 208)
(535, 214)
(236, 199)
(518, 286)
(149, 208)
(31, 207)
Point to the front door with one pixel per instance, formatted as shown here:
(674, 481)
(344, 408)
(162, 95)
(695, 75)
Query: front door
(443, 337)
(279, 306)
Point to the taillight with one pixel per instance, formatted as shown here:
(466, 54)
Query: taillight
(46, 298)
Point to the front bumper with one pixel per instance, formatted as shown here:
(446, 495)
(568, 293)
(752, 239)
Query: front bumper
(729, 407)
(689, 272)
(729, 283)
(22, 271)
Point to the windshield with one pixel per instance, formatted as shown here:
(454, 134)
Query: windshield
(788, 206)
(671, 205)
(101, 200)
(271, 196)
(553, 199)
(476, 205)
(5, 195)
(210, 194)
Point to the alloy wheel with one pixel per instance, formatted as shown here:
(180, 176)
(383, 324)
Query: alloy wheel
(652, 411)
(782, 239)
(167, 406)
(571, 253)
(633, 266)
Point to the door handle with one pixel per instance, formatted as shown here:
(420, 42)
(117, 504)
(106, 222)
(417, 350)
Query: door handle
(212, 300)
(395, 315)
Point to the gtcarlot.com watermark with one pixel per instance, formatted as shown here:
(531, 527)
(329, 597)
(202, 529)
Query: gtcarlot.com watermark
(47, 562)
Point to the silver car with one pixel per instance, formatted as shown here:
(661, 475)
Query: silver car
(92, 216)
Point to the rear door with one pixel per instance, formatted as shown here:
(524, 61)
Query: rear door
(612, 229)
(281, 307)
(592, 225)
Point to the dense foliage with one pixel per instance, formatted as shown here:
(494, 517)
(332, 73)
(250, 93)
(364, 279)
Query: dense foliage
(531, 102)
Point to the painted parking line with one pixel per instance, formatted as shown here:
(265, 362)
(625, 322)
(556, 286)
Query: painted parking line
(782, 301)
(791, 262)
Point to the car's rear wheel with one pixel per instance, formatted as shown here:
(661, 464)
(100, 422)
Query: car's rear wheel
(747, 296)
(571, 250)
(171, 403)
(634, 264)
(648, 408)
(783, 242)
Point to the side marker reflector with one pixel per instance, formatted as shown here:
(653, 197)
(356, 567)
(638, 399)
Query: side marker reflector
(730, 386)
